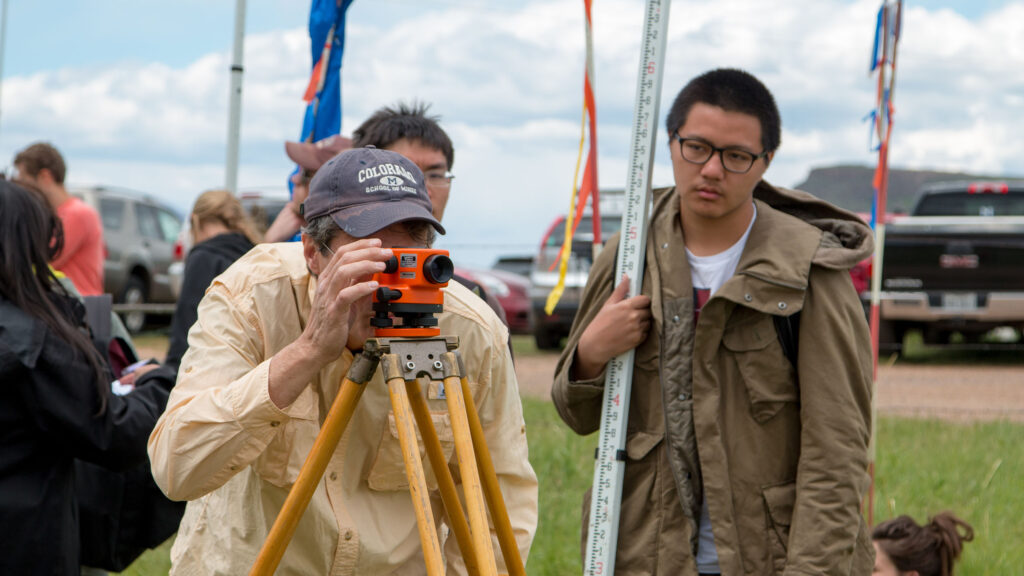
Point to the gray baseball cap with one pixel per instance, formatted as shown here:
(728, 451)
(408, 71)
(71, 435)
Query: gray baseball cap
(366, 189)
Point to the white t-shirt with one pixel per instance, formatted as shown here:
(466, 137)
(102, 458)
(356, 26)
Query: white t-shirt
(708, 274)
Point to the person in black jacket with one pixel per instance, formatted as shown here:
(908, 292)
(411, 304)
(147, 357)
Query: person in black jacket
(55, 398)
(221, 232)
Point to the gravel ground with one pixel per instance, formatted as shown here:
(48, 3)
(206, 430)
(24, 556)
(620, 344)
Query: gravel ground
(955, 392)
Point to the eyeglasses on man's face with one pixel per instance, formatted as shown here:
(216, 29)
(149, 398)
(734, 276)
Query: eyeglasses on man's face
(438, 178)
(735, 160)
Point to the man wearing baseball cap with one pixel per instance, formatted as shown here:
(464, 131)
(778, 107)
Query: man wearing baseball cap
(275, 336)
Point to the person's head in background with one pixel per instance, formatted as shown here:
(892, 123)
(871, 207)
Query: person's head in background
(31, 236)
(220, 212)
(410, 131)
(310, 156)
(42, 166)
(904, 548)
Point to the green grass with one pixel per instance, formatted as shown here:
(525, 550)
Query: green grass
(525, 345)
(974, 470)
(924, 466)
(564, 463)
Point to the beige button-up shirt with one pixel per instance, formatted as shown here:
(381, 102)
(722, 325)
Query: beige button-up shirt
(224, 446)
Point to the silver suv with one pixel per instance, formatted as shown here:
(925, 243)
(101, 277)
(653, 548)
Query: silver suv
(139, 236)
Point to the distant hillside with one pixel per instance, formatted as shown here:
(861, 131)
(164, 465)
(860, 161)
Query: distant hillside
(850, 186)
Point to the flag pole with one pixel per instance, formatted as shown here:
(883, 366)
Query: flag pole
(235, 99)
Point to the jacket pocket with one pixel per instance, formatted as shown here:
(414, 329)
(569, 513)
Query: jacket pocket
(388, 470)
(778, 503)
(282, 460)
(766, 372)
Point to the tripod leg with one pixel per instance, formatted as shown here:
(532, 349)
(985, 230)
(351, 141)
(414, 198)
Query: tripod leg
(492, 491)
(445, 483)
(337, 420)
(468, 466)
(413, 465)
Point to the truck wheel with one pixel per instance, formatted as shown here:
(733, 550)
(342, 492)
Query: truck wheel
(547, 339)
(134, 293)
(890, 336)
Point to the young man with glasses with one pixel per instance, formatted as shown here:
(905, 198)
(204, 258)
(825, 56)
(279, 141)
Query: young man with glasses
(750, 410)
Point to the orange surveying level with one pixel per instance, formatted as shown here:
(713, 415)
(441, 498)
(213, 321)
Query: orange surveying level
(410, 290)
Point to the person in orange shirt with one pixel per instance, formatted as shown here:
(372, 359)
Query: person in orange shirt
(42, 167)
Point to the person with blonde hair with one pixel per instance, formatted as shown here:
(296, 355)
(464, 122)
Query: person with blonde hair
(905, 548)
(221, 233)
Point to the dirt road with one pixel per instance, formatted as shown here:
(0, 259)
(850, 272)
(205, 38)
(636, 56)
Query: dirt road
(958, 392)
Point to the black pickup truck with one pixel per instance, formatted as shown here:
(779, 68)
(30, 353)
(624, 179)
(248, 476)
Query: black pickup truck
(956, 264)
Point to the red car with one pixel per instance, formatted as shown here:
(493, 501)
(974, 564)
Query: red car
(511, 290)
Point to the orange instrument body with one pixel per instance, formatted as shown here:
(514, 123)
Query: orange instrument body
(410, 291)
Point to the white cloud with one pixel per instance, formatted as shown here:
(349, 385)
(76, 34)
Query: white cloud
(507, 80)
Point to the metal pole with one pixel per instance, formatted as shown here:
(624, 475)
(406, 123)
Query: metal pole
(3, 40)
(235, 99)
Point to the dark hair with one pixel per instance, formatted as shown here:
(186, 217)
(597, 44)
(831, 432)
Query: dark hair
(930, 549)
(322, 230)
(388, 125)
(42, 155)
(30, 237)
(734, 91)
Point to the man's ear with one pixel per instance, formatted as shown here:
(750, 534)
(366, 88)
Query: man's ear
(311, 254)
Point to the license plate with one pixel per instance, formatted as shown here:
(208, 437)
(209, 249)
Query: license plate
(962, 301)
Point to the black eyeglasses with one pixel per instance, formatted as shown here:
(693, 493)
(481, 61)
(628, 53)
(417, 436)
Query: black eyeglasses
(735, 160)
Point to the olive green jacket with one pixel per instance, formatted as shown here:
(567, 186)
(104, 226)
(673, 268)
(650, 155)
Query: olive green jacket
(718, 411)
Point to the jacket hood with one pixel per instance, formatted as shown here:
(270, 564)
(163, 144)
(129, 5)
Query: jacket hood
(845, 240)
(230, 245)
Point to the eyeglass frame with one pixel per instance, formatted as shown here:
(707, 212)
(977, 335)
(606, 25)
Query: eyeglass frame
(721, 157)
(444, 180)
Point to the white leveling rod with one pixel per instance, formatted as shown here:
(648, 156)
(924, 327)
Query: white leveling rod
(602, 536)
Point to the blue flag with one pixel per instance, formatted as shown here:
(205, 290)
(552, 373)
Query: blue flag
(323, 96)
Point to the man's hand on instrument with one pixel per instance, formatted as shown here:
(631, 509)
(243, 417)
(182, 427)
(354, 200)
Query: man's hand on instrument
(621, 325)
(341, 306)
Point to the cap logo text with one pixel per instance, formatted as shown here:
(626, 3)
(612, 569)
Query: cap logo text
(385, 170)
(392, 181)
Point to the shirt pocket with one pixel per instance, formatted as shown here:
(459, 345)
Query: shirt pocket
(388, 470)
(282, 460)
(767, 374)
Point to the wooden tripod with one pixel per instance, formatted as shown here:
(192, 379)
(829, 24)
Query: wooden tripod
(404, 361)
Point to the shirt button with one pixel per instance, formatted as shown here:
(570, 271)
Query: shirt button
(348, 534)
(683, 396)
(782, 305)
(334, 475)
(188, 369)
(233, 468)
(675, 318)
(275, 424)
(664, 246)
(748, 297)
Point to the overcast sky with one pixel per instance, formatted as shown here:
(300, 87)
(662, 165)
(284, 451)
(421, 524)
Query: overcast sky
(135, 94)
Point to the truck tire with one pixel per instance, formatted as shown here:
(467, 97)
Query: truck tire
(546, 338)
(890, 336)
(134, 293)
